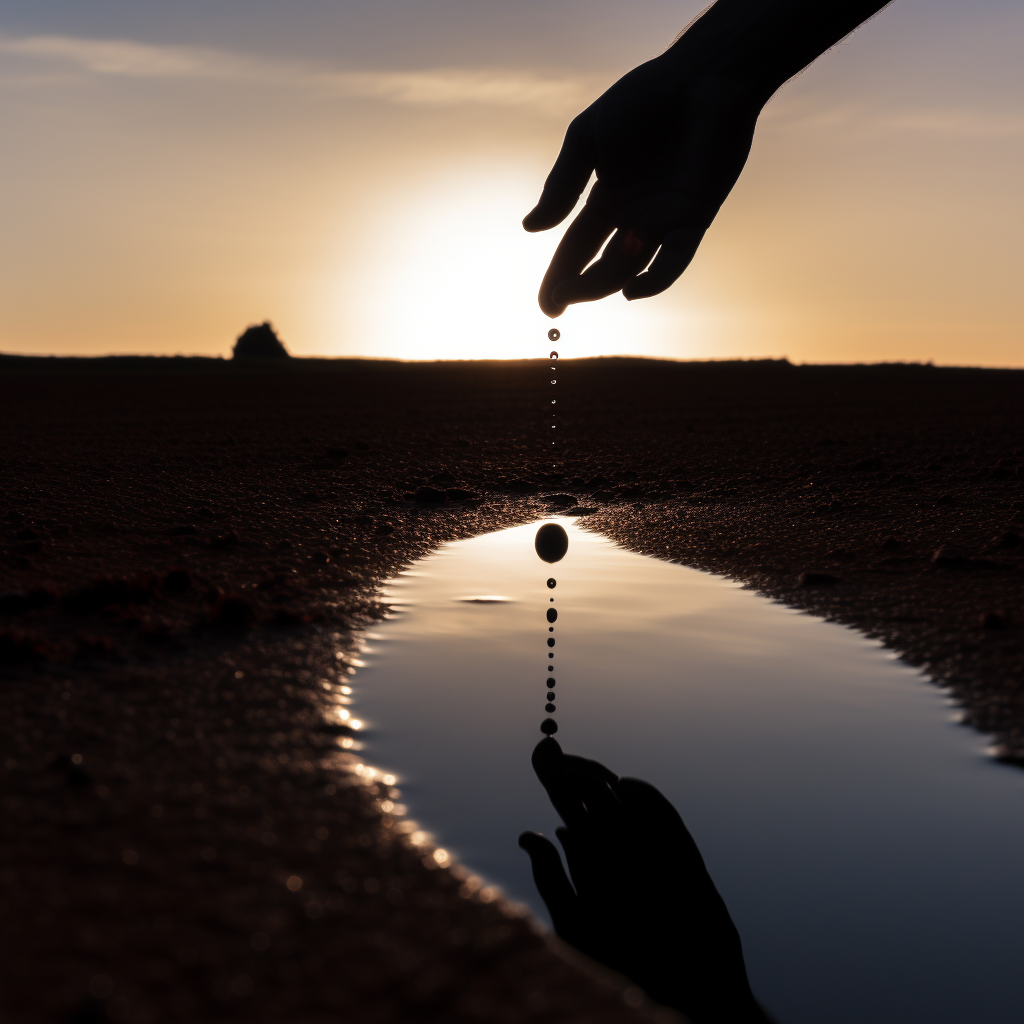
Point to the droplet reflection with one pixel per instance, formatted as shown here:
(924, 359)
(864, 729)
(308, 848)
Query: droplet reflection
(551, 543)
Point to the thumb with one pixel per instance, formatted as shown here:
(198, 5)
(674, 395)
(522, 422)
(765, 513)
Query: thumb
(552, 882)
(567, 180)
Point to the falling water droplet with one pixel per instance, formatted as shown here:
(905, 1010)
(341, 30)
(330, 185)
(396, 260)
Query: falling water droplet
(554, 355)
(549, 708)
(552, 615)
(550, 680)
(549, 727)
(554, 334)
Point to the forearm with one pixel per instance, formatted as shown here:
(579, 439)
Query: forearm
(763, 43)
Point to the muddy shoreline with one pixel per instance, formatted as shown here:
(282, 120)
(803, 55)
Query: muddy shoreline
(185, 549)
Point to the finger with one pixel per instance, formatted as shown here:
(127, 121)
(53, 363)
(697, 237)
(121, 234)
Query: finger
(551, 880)
(580, 854)
(595, 784)
(572, 848)
(581, 242)
(624, 257)
(644, 801)
(677, 251)
(577, 786)
(545, 754)
(568, 178)
(549, 764)
(583, 767)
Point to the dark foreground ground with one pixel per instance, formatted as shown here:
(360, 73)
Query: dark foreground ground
(186, 548)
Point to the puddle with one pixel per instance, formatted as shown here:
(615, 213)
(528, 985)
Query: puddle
(868, 850)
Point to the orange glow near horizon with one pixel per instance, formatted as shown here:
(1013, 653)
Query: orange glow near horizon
(359, 179)
(451, 274)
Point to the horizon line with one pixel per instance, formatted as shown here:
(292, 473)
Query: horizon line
(497, 359)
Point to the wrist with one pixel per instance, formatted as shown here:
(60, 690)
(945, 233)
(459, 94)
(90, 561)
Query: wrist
(761, 44)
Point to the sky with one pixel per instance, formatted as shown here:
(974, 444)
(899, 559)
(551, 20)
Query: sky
(355, 171)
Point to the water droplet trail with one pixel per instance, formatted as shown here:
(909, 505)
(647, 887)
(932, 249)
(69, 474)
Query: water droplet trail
(551, 544)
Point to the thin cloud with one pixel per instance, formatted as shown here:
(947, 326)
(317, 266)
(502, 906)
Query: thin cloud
(955, 123)
(858, 122)
(440, 87)
(128, 58)
(453, 86)
(494, 87)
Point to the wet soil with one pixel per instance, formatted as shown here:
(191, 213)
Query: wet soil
(189, 549)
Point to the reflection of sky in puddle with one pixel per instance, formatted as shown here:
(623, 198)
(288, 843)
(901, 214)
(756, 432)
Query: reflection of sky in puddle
(867, 850)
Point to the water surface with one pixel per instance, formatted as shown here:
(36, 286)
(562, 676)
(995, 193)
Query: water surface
(868, 850)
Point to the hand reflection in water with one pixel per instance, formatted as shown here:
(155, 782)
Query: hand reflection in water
(640, 901)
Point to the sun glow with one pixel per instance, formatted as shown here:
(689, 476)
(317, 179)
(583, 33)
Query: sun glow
(452, 275)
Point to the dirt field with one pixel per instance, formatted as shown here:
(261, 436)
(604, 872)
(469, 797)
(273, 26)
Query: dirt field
(187, 545)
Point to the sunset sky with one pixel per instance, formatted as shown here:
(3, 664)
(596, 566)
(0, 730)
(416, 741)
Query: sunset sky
(356, 173)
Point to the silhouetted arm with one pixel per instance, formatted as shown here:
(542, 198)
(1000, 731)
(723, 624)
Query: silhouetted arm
(640, 901)
(668, 142)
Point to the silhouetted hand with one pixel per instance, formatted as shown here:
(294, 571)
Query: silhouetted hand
(666, 152)
(640, 901)
(667, 143)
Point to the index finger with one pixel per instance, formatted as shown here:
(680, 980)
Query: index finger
(568, 177)
(581, 242)
(575, 785)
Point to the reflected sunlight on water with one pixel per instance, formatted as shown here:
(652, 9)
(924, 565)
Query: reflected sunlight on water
(868, 850)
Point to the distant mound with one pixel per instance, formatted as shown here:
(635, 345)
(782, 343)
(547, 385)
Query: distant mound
(259, 342)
